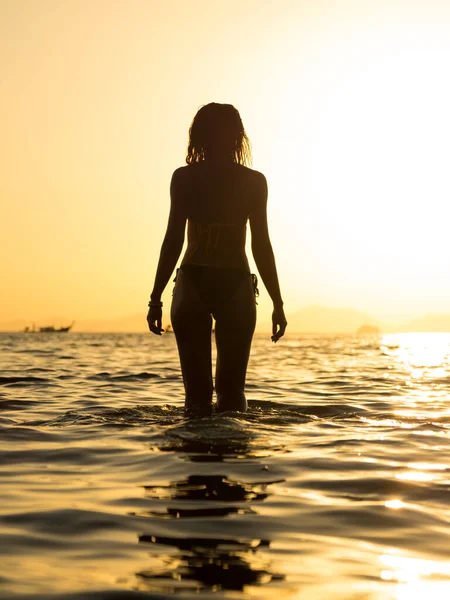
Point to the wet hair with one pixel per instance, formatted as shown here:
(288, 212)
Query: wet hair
(218, 126)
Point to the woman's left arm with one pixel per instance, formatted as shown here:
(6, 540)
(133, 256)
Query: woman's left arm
(170, 251)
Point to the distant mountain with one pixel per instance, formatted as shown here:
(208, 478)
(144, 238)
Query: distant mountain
(368, 330)
(323, 319)
(311, 319)
(430, 322)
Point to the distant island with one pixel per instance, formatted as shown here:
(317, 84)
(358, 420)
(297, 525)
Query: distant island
(368, 329)
(325, 319)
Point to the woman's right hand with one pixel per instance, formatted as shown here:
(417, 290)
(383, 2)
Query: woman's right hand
(154, 319)
(279, 323)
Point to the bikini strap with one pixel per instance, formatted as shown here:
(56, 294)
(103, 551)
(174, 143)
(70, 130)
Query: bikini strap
(255, 286)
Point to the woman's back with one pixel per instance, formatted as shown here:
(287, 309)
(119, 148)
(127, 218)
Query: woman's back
(218, 193)
(217, 201)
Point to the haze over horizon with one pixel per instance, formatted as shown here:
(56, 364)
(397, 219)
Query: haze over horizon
(308, 319)
(346, 105)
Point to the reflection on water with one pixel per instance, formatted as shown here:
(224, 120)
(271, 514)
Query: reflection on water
(211, 488)
(424, 354)
(421, 361)
(411, 575)
(214, 563)
(426, 357)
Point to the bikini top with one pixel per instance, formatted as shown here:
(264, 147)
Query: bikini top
(210, 233)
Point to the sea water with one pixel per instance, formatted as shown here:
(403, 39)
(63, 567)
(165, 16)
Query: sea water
(335, 483)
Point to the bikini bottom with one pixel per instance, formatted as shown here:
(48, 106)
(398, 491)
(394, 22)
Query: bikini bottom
(217, 285)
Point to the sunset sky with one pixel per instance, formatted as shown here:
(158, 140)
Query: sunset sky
(346, 104)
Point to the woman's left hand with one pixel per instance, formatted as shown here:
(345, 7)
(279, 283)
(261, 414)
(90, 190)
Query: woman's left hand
(279, 323)
(154, 320)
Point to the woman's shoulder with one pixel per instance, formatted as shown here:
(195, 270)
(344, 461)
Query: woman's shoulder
(255, 178)
(257, 183)
(252, 174)
(188, 172)
(180, 172)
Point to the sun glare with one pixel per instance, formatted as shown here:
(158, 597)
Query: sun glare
(360, 165)
(416, 578)
(421, 353)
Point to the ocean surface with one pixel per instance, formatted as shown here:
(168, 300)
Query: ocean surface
(334, 485)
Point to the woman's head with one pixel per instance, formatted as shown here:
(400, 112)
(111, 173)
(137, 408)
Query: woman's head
(217, 132)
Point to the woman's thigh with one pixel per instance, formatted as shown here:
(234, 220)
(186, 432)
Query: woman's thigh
(192, 324)
(235, 324)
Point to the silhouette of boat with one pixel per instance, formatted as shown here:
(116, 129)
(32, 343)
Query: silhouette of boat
(49, 329)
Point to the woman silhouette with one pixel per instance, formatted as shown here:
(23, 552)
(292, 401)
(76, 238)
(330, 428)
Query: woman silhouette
(216, 194)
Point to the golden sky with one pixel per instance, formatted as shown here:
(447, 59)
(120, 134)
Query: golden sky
(346, 104)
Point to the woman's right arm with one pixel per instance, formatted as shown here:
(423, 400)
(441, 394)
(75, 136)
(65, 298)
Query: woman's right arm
(264, 257)
(170, 251)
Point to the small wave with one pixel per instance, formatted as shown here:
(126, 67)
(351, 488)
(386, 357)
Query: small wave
(62, 455)
(284, 411)
(5, 421)
(68, 521)
(18, 404)
(98, 595)
(122, 417)
(261, 413)
(23, 380)
(26, 434)
(36, 351)
(129, 377)
(378, 488)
